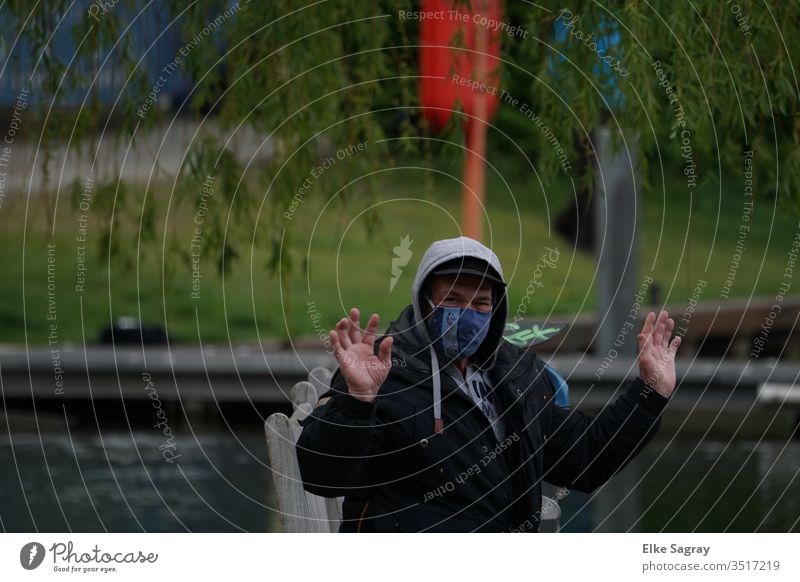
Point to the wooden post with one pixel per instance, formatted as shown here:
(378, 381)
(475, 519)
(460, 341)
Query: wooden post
(616, 241)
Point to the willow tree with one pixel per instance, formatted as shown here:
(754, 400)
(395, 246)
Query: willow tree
(308, 76)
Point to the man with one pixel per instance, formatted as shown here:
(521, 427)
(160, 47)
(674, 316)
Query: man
(441, 425)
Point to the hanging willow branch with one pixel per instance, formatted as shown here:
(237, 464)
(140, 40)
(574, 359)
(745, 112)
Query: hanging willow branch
(309, 78)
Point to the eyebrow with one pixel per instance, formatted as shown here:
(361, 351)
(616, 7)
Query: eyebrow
(479, 296)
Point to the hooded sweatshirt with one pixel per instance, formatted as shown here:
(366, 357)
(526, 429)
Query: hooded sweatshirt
(397, 472)
(438, 253)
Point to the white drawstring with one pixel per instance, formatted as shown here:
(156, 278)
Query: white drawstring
(438, 423)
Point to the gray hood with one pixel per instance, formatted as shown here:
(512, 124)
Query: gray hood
(452, 248)
(438, 253)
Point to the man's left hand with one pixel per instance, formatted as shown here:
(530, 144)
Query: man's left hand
(657, 353)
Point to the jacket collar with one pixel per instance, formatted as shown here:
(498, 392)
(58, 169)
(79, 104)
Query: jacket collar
(413, 354)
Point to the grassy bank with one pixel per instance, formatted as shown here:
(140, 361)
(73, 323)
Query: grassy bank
(684, 238)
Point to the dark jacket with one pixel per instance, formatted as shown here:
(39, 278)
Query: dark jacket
(397, 475)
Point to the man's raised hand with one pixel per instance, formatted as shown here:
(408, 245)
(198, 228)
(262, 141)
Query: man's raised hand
(657, 353)
(363, 371)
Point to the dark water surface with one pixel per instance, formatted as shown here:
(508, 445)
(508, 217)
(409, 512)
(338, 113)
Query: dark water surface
(221, 482)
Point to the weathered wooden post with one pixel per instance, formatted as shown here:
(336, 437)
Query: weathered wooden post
(617, 241)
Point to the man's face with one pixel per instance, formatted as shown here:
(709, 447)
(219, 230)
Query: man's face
(460, 291)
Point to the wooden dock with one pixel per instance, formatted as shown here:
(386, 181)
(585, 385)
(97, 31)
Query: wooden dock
(246, 374)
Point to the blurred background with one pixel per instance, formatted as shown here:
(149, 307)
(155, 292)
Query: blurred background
(193, 193)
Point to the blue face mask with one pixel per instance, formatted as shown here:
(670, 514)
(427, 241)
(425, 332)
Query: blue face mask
(457, 332)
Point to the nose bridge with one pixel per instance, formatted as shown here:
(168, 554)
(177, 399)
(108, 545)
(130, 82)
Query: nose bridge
(465, 303)
(463, 296)
(474, 301)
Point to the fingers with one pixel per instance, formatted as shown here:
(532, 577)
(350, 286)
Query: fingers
(341, 333)
(658, 330)
(674, 345)
(372, 325)
(354, 329)
(348, 330)
(337, 346)
(646, 335)
(668, 332)
(385, 350)
(649, 321)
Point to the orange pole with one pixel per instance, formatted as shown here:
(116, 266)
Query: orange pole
(472, 197)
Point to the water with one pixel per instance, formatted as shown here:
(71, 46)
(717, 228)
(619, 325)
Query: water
(691, 486)
(221, 483)
(121, 483)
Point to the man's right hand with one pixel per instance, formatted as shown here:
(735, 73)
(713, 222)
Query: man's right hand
(363, 371)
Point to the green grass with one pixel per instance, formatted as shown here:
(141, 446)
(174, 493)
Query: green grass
(347, 269)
